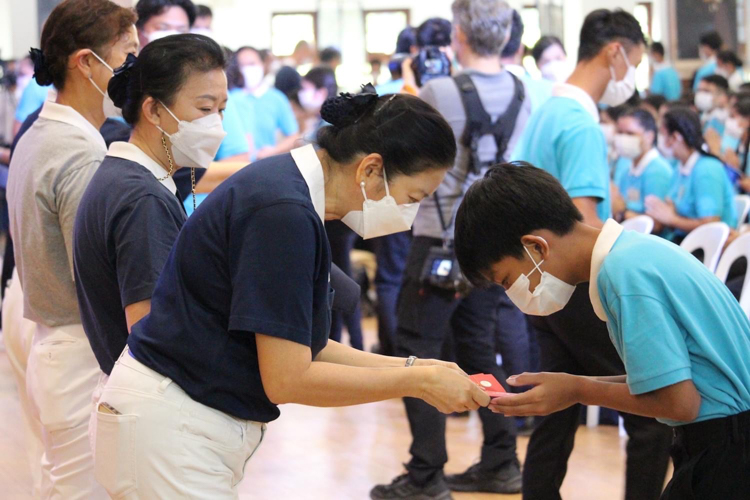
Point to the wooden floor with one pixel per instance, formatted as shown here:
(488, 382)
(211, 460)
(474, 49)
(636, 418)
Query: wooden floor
(313, 453)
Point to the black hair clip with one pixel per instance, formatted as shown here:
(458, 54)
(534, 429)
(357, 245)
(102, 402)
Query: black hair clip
(347, 109)
(42, 74)
(124, 70)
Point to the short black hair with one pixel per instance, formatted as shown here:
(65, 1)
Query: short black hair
(160, 71)
(657, 48)
(656, 101)
(409, 134)
(516, 33)
(712, 40)
(203, 11)
(406, 40)
(323, 77)
(512, 200)
(729, 57)
(146, 9)
(288, 81)
(434, 31)
(645, 119)
(604, 26)
(543, 44)
(718, 80)
(329, 54)
(742, 106)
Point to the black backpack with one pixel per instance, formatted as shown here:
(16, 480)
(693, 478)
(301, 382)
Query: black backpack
(479, 123)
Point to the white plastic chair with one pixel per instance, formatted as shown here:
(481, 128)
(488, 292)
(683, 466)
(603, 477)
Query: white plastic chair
(742, 204)
(642, 224)
(710, 238)
(737, 249)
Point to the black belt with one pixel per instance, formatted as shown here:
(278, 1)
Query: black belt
(701, 435)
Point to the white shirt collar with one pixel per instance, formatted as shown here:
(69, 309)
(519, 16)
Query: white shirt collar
(131, 152)
(61, 113)
(309, 166)
(604, 243)
(637, 170)
(687, 168)
(579, 95)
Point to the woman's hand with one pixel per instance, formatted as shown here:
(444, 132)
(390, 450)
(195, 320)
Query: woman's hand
(437, 362)
(745, 184)
(660, 211)
(730, 158)
(552, 392)
(450, 391)
(713, 140)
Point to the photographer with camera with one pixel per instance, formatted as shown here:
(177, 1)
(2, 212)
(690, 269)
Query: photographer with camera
(486, 108)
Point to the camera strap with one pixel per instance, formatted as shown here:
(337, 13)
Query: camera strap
(479, 123)
(443, 224)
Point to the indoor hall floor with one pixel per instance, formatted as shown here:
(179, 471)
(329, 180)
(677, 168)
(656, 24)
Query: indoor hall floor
(340, 453)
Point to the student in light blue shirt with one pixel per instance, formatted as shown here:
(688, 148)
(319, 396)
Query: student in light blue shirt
(700, 191)
(564, 138)
(708, 49)
(647, 173)
(682, 336)
(665, 80)
(712, 99)
(273, 126)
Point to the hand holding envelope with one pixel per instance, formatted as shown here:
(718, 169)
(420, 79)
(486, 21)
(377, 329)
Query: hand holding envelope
(551, 392)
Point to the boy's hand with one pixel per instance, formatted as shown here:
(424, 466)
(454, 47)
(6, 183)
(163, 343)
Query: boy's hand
(552, 392)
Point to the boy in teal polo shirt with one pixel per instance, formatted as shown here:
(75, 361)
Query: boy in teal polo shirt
(682, 336)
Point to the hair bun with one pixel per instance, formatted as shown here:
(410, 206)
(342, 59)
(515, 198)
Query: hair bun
(118, 84)
(346, 109)
(42, 73)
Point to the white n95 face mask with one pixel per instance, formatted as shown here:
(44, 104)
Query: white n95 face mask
(618, 92)
(108, 106)
(253, 76)
(196, 143)
(556, 71)
(704, 100)
(732, 128)
(549, 296)
(380, 218)
(628, 146)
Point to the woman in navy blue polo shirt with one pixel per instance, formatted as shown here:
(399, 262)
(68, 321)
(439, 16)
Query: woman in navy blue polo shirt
(173, 96)
(240, 315)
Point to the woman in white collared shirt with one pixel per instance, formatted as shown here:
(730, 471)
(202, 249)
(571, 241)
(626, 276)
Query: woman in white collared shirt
(701, 191)
(82, 41)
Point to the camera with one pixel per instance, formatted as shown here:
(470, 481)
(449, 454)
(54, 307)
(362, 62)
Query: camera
(430, 63)
(441, 271)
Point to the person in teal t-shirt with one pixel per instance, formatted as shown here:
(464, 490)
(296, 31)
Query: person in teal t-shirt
(683, 337)
(647, 173)
(708, 49)
(665, 80)
(701, 191)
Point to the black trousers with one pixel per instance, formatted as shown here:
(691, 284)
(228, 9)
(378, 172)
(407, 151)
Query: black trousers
(576, 341)
(425, 319)
(711, 460)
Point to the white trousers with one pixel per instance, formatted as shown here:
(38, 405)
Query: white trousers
(164, 444)
(18, 333)
(61, 378)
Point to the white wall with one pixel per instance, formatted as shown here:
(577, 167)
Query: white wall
(18, 28)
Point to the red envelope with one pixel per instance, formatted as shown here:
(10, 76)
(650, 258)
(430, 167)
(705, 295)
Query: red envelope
(488, 383)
